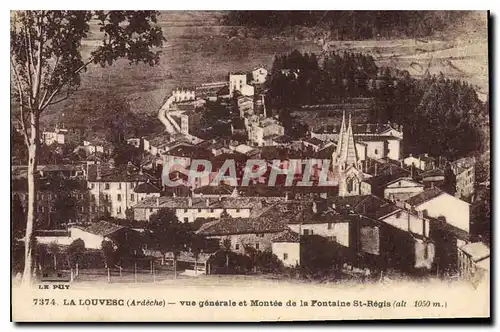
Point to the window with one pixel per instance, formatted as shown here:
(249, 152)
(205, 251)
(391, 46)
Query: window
(306, 232)
(150, 210)
(237, 210)
(119, 185)
(376, 151)
(106, 186)
(185, 210)
(257, 246)
(119, 210)
(350, 184)
(285, 256)
(211, 210)
(237, 246)
(132, 185)
(186, 219)
(92, 186)
(82, 209)
(199, 210)
(329, 225)
(132, 198)
(119, 197)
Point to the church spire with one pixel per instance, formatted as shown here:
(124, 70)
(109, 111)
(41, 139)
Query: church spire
(351, 155)
(342, 131)
(346, 153)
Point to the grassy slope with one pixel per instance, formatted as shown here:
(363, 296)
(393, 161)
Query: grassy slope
(198, 50)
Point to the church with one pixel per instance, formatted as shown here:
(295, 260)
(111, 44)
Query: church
(352, 152)
(346, 162)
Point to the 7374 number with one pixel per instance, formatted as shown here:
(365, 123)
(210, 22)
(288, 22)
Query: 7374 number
(44, 302)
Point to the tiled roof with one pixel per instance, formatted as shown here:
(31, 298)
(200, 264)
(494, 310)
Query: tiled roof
(103, 228)
(387, 168)
(383, 179)
(432, 173)
(424, 196)
(268, 222)
(282, 139)
(477, 251)
(347, 202)
(201, 202)
(314, 141)
(309, 217)
(126, 176)
(188, 151)
(370, 138)
(282, 153)
(146, 188)
(287, 236)
(56, 168)
(326, 152)
(385, 210)
(221, 189)
(373, 207)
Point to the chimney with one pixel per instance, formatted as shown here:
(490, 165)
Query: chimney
(190, 201)
(157, 201)
(220, 198)
(315, 207)
(207, 203)
(376, 168)
(98, 168)
(334, 206)
(286, 196)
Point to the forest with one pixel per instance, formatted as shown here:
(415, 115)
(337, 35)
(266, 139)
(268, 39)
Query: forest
(440, 116)
(348, 25)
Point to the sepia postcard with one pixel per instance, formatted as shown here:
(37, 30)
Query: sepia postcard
(249, 166)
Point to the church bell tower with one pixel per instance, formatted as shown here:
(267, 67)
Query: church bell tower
(346, 161)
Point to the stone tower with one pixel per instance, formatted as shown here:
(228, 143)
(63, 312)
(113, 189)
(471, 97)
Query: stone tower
(346, 161)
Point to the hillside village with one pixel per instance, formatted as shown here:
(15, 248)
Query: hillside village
(384, 210)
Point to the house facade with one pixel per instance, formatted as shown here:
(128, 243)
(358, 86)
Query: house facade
(113, 193)
(473, 259)
(259, 75)
(236, 82)
(438, 204)
(464, 170)
(188, 209)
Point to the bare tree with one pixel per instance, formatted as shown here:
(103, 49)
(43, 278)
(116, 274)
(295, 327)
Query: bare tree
(46, 64)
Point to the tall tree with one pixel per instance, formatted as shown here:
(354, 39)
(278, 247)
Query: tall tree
(167, 234)
(47, 61)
